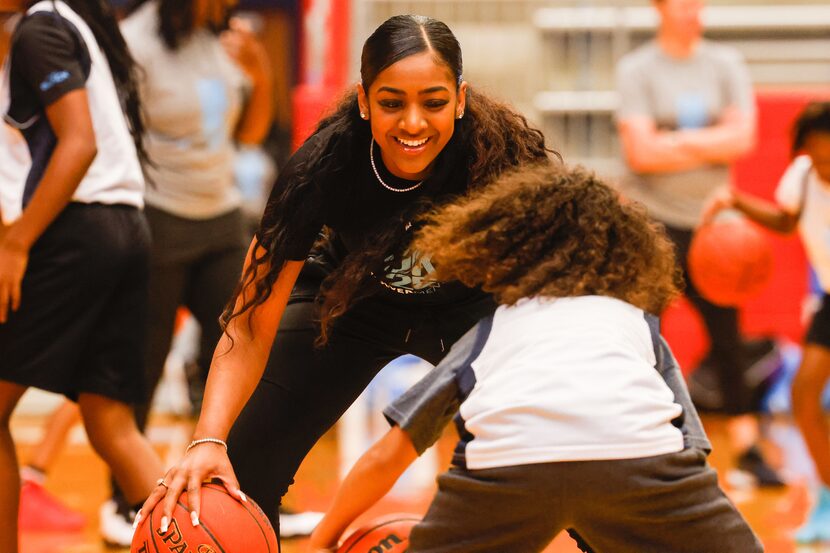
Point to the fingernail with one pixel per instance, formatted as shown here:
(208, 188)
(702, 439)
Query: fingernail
(137, 520)
(194, 518)
(242, 496)
(165, 522)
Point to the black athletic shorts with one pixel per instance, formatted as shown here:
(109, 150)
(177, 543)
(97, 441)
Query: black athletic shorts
(819, 331)
(81, 322)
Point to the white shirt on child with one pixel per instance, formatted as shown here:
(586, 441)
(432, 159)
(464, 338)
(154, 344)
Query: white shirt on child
(568, 379)
(814, 224)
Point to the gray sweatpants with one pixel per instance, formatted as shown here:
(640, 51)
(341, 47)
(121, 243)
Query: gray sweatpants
(664, 504)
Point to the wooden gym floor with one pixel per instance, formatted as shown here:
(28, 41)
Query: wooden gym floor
(80, 480)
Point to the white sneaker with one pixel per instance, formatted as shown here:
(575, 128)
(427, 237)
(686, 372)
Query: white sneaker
(116, 528)
(299, 524)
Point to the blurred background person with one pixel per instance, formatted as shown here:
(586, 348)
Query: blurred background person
(39, 509)
(802, 201)
(686, 113)
(73, 265)
(206, 87)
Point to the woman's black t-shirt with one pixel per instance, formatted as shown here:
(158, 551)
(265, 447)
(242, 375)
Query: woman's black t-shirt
(354, 205)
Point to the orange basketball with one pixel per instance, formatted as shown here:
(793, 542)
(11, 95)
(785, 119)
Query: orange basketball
(389, 534)
(225, 525)
(730, 260)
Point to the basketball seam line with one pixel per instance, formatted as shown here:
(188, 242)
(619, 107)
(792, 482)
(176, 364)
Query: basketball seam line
(253, 516)
(205, 528)
(152, 533)
(220, 488)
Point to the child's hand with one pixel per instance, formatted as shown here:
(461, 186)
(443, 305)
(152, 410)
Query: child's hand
(817, 527)
(720, 199)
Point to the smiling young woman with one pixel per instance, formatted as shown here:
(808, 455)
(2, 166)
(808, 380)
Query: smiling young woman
(412, 136)
(411, 108)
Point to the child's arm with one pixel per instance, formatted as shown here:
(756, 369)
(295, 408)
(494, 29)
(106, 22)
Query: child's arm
(762, 212)
(370, 479)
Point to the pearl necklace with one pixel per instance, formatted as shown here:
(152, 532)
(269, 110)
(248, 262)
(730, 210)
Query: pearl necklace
(380, 180)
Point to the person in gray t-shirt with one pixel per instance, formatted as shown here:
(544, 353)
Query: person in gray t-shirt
(686, 113)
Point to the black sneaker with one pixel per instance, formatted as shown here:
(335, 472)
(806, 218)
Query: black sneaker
(752, 462)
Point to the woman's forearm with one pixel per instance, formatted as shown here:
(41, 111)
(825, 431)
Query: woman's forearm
(256, 119)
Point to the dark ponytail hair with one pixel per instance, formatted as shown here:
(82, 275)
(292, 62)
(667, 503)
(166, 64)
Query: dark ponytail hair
(402, 36)
(492, 137)
(814, 118)
(100, 18)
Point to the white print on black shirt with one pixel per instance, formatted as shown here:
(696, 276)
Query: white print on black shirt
(412, 274)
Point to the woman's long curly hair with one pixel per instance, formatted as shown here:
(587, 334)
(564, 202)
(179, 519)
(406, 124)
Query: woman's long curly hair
(492, 138)
(554, 232)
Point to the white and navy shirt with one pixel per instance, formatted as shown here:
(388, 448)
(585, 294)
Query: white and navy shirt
(53, 53)
(549, 380)
(802, 189)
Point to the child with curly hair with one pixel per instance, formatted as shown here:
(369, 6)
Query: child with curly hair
(569, 405)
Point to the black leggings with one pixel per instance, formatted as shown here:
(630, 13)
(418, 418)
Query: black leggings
(726, 349)
(304, 390)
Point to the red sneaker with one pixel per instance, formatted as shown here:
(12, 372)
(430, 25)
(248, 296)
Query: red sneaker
(40, 511)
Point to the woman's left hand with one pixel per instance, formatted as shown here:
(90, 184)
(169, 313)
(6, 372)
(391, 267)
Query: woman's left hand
(13, 261)
(241, 44)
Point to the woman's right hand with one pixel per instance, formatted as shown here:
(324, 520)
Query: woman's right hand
(203, 463)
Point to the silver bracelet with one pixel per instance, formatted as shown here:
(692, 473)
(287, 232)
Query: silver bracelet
(194, 443)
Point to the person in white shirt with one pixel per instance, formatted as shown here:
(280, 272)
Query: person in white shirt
(803, 203)
(205, 89)
(73, 265)
(569, 406)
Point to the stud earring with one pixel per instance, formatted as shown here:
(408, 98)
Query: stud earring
(362, 115)
(460, 115)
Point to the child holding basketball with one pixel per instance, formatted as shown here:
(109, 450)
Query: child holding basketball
(568, 403)
(803, 197)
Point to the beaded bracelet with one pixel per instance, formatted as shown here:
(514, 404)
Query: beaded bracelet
(194, 443)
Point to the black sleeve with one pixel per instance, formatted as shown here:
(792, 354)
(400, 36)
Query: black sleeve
(298, 207)
(48, 57)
